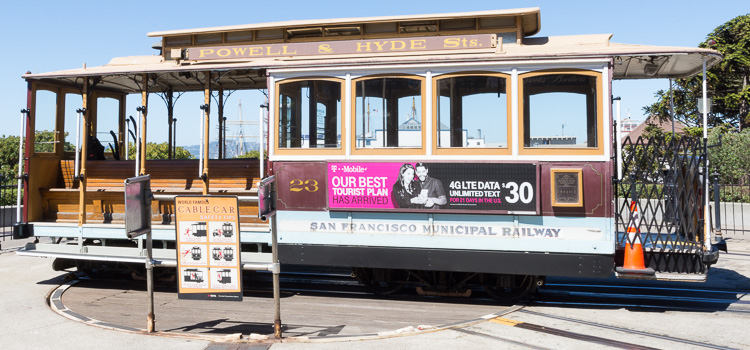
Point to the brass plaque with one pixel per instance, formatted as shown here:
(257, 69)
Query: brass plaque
(566, 187)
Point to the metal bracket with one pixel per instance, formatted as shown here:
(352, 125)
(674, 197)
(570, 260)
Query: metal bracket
(206, 108)
(275, 268)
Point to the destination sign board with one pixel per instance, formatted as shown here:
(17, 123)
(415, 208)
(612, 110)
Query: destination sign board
(343, 47)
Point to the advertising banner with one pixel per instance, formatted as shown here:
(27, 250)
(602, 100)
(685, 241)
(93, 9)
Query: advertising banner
(415, 186)
(208, 248)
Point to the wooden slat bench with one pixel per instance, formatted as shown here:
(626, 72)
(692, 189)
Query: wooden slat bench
(105, 188)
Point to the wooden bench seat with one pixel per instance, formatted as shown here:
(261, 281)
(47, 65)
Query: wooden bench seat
(105, 188)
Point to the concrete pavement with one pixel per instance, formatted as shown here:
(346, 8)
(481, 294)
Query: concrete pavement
(28, 322)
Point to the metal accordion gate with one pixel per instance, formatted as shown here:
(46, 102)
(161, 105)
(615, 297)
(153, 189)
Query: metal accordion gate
(665, 179)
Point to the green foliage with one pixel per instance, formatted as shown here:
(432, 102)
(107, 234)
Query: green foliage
(8, 157)
(252, 155)
(727, 81)
(8, 167)
(161, 151)
(737, 194)
(731, 159)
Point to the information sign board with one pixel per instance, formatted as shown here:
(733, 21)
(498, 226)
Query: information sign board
(137, 205)
(208, 248)
(266, 198)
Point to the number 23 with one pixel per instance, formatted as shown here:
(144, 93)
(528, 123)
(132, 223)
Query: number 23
(296, 185)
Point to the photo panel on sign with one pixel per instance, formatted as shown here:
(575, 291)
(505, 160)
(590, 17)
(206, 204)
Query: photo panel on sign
(193, 231)
(223, 255)
(193, 254)
(194, 277)
(222, 232)
(224, 278)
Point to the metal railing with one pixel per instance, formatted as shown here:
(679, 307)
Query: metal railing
(8, 191)
(733, 201)
(661, 194)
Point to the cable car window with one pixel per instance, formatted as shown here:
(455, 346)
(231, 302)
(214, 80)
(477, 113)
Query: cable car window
(45, 133)
(107, 119)
(309, 114)
(472, 112)
(72, 103)
(560, 111)
(388, 113)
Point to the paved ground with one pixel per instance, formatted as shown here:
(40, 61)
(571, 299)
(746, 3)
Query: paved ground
(28, 322)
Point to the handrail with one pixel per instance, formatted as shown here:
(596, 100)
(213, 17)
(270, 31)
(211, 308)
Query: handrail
(170, 198)
(138, 141)
(24, 112)
(76, 167)
(618, 140)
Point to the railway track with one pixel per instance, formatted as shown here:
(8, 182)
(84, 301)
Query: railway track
(643, 297)
(564, 314)
(557, 292)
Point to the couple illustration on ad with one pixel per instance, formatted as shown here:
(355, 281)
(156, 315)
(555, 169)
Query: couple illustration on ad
(420, 191)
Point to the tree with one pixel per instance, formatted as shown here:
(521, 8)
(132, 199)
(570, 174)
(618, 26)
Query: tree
(730, 157)
(8, 167)
(8, 158)
(161, 151)
(727, 81)
(9, 151)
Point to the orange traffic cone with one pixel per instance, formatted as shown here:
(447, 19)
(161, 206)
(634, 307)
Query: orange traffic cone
(633, 263)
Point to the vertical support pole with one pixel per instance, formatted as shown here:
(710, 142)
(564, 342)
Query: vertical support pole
(717, 203)
(618, 139)
(151, 321)
(200, 140)
(84, 147)
(170, 121)
(514, 117)
(261, 144)
(221, 123)
(276, 271)
(144, 113)
(137, 141)
(707, 211)
(76, 166)
(428, 137)
(704, 101)
(673, 162)
(126, 143)
(59, 135)
(365, 115)
(205, 121)
(30, 103)
(671, 106)
(274, 128)
(174, 136)
(348, 130)
(122, 126)
(24, 113)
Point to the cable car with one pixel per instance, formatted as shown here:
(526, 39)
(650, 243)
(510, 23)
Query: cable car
(444, 150)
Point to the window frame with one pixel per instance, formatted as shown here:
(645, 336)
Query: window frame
(598, 150)
(342, 117)
(437, 150)
(384, 151)
(57, 119)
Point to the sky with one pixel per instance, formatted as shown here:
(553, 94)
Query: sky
(44, 36)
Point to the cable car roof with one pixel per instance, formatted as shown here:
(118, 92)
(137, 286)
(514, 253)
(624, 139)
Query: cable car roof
(529, 18)
(183, 74)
